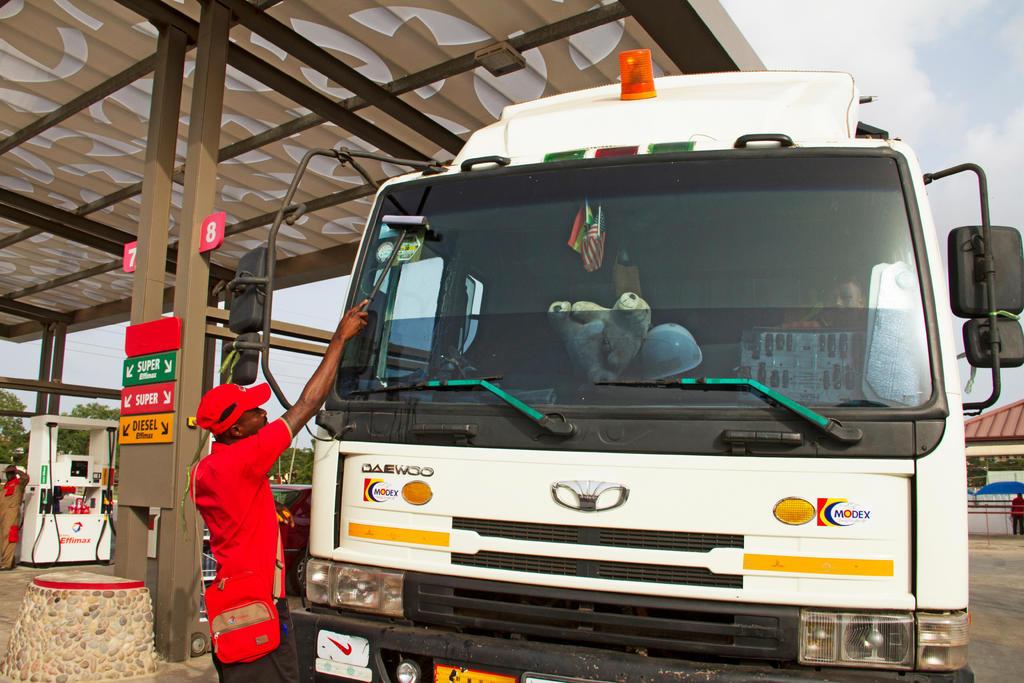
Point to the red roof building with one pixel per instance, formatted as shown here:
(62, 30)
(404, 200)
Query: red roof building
(996, 434)
(1004, 425)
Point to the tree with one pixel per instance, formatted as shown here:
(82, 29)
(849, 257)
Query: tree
(300, 463)
(76, 441)
(12, 430)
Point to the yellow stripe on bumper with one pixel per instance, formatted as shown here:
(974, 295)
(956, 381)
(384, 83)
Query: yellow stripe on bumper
(840, 566)
(398, 535)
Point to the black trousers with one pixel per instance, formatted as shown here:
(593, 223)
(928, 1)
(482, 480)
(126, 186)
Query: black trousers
(1018, 526)
(280, 665)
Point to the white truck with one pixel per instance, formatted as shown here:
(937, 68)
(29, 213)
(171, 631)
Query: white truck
(658, 388)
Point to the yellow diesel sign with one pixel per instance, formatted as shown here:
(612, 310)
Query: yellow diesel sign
(157, 428)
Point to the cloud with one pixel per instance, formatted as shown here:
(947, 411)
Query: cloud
(1010, 39)
(994, 146)
(873, 40)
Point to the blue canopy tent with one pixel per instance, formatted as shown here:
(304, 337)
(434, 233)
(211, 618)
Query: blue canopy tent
(1001, 488)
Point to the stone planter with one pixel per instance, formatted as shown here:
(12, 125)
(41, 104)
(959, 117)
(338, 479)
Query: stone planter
(79, 626)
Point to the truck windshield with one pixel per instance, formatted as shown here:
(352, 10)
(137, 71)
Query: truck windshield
(794, 271)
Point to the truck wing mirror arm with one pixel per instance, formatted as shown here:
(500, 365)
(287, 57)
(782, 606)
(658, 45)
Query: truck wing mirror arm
(973, 281)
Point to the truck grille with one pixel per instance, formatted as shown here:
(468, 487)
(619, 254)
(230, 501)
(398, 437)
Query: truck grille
(681, 541)
(597, 569)
(629, 623)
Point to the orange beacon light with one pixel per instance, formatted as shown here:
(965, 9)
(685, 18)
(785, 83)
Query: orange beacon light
(637, 72)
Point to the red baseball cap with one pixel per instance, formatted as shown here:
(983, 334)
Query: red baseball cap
(221, 406)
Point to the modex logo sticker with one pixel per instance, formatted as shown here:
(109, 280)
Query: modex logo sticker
(841, 512)
(378, 491)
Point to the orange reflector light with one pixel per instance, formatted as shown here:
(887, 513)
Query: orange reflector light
(794, 511)
(417, 493)
(397, 535)
(637, 71)
(840, 566)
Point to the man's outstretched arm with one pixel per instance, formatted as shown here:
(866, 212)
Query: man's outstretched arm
(315, 391)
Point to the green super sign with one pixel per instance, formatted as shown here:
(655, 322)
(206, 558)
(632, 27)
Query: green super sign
(158, 367)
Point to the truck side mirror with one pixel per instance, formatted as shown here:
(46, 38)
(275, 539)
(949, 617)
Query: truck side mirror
(985, 281)
(968, 267)
(978, 344)
(249, 289)
(248, 365)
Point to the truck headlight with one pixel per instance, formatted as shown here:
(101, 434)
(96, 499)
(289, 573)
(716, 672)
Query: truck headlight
(366, 589)
(942, 641)
(318, 581)
(882, 640)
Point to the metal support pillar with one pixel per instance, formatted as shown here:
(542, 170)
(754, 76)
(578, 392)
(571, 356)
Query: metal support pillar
(45, 360)
(60, 337)
(178, 581)
(211, 369)
(145, 473)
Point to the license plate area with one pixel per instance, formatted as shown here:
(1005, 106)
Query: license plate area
(453, 673)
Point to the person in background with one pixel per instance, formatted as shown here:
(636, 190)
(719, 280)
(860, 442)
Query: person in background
(848, 294)
(1017, 514)
(232, 492)
(845, 296)
(10, 514)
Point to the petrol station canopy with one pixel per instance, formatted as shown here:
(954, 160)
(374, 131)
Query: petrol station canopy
(407, 78)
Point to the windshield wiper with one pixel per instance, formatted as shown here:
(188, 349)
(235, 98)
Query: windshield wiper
(828, 425)
(554, 423)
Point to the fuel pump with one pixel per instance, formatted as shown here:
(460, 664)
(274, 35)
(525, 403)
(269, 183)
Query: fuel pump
(69, 500)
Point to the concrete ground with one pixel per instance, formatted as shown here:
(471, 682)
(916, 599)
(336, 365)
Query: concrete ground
(997, 610)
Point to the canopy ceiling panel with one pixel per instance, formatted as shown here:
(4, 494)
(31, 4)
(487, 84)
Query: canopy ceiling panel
(53, 50)
(76, 82)
(43, 258)
(99, 289)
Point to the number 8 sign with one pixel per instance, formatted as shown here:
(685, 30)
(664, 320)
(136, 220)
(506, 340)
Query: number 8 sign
(212, 233)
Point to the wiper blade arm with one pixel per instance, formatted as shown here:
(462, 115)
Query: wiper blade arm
(415, 386)
(828, 425)
(555, 424)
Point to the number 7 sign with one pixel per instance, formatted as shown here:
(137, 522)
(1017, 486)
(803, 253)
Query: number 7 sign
(130, 250)
(212, 234)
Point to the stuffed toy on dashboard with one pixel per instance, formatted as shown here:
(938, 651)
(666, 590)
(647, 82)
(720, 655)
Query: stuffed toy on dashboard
(602, 342)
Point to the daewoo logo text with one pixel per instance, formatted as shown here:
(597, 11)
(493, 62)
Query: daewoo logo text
(840, 512)
(411, 470)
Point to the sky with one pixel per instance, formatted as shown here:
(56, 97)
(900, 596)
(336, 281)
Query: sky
(949, 78)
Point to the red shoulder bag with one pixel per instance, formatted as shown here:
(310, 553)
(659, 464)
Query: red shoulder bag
(244, 623)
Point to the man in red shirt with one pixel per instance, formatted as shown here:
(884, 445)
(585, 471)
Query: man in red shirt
(232, 492)
(1017, 514)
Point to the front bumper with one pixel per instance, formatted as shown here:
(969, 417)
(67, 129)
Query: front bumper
(387, 640)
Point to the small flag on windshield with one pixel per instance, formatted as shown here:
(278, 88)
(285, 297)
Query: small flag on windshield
(587, 236)
(593, 243)
(579, 224)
